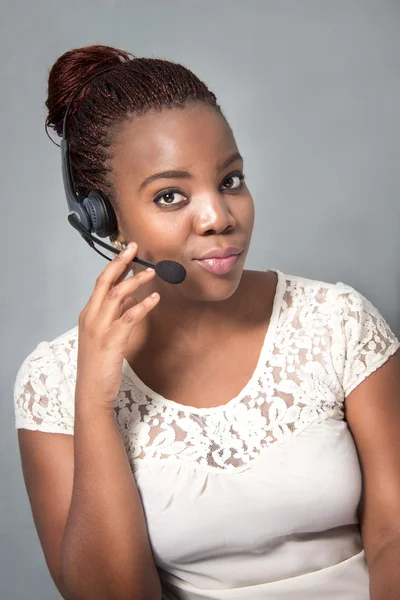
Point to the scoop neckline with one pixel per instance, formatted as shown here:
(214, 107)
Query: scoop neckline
(158, 399)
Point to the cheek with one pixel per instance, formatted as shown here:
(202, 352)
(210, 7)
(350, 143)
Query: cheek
(247, 215)
(160, 233)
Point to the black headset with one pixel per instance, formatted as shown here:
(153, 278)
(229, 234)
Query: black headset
(96, 214)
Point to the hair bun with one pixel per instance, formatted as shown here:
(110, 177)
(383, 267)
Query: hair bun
(70, 71)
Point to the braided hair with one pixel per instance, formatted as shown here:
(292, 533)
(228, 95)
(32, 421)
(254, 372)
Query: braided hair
(133, 87)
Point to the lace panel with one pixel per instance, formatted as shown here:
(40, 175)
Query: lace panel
(303, 382)
(42, 399)
(369, 341)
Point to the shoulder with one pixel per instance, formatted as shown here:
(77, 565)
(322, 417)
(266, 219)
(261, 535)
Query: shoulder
(340, 299)
(297, 289)
(292, 280)
(65, 346)
(319, 292)
(337, 304)
(62, 348)
(359, 333)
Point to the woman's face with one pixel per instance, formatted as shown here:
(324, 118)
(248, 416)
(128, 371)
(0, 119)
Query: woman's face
(181, 216)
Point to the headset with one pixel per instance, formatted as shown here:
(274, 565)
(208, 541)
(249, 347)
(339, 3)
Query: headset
(95, 213)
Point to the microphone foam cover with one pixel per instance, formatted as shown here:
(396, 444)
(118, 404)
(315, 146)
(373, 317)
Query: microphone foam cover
(170, 271)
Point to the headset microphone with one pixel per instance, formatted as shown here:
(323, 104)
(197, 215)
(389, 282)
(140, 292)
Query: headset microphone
(95, 212)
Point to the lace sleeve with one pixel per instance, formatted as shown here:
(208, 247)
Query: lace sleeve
(42, 398)
(369, 341)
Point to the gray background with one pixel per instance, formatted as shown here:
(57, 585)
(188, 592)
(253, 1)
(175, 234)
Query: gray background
(311, 90)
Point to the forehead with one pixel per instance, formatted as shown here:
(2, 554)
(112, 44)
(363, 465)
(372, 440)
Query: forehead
(184, 138)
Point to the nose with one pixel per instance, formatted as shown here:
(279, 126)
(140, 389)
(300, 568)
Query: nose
(213, 215)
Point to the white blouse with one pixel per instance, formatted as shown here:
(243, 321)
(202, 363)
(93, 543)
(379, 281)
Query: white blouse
(255, 499)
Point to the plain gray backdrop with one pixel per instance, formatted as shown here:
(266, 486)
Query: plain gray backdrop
(312, 92)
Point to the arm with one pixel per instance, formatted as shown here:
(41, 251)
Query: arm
(87, 511)
(370, 355)
(106, 550)
(373, 416)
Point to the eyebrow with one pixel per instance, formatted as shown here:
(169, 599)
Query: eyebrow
(186, 174)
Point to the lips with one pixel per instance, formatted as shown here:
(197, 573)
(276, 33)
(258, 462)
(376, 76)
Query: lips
(221, 252)
(220, 266)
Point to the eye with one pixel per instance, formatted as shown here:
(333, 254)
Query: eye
(170, 195)
(232, 176)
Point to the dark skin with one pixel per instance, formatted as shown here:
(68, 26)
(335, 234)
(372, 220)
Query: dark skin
(209, 209)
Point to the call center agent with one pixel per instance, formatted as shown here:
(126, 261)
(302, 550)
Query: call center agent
(234, 436)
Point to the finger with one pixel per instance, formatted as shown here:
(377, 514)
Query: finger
(112, 307)
(124, 325)
(129, 303)
(115, 269)
(124, 274)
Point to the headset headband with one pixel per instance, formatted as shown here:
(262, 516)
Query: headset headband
(72, 196)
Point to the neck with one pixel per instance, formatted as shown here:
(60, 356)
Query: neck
(180, 322)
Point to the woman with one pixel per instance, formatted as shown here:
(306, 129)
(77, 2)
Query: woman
(235, 436)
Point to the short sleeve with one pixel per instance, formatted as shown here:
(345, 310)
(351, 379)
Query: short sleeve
(368, 339)
(42, 398)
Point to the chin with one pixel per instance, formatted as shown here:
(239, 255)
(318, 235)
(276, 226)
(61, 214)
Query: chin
(208, 287)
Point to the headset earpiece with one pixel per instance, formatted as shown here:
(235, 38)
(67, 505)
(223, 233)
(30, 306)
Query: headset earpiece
(103, 221)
